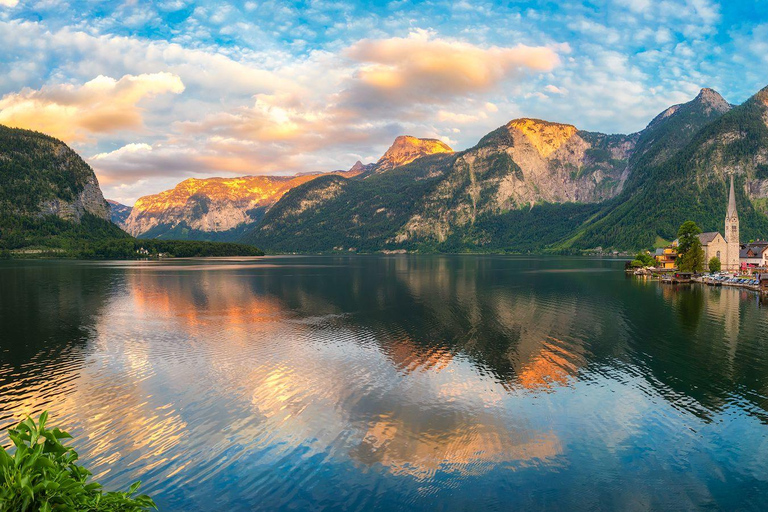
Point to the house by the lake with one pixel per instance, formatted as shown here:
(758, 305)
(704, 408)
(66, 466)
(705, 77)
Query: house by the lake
(754, 254)
(666, 256)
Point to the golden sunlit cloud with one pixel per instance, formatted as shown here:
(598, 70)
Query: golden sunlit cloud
(72, 112)
(421, 66)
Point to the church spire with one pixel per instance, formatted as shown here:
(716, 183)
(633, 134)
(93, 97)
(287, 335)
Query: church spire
(732, 202)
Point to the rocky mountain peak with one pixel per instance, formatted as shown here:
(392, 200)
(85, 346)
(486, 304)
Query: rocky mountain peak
(357, 168)
(546, 137)
(712, 100)
(406, 149)
(762, 95)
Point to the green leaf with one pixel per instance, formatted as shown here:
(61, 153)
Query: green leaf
(43, 418)
(5, 459)
(60, 434)
(134, 487)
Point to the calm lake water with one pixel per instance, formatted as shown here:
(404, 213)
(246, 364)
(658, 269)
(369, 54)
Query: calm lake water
(424, 383)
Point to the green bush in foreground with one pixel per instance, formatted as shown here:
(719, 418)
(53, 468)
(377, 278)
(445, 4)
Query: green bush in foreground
(42, 474)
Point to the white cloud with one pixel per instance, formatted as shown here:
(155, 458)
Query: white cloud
(81, 55)
(128, 149)
(555, 90)
(459, 118)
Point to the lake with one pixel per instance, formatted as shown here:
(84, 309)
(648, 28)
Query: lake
(393, 382)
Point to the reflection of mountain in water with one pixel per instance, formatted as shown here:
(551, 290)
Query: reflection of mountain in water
(421, 312)
(293, 345)
(530, 325)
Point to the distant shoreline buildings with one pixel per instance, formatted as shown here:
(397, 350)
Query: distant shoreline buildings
(725, 247)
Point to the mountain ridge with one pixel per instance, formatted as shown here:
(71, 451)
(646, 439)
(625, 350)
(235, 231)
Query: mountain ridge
(572, 186)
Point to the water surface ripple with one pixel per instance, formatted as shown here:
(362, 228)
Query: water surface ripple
(394, 382)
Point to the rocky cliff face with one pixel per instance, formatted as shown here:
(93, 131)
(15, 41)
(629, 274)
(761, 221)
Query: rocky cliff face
(406, 149)
(213, 205)
(525, 162)
(89, 199)
(43, 176)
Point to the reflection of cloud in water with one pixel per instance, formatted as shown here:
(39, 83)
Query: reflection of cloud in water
(469, 449)
(409, 424)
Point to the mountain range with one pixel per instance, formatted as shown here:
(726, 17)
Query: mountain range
(534, 185)
(51, 204)
(528, 186)
(225, 208)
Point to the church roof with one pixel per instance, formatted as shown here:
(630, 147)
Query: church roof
(707, 238)
(732, 202)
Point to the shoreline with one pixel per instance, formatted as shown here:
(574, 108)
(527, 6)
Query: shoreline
(702, 279)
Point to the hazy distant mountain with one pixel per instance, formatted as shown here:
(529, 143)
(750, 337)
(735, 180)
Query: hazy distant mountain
(118, 212)
(534, 185)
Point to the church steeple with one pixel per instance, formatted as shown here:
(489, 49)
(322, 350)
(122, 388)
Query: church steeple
(732, 232)
(732, 213)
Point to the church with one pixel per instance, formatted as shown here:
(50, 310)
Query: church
(725, 247)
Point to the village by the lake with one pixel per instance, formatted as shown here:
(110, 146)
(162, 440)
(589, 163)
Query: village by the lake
(710, 258)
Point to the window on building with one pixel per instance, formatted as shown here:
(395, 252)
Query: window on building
(718, 254)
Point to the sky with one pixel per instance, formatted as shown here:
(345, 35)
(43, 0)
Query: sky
(152, 93)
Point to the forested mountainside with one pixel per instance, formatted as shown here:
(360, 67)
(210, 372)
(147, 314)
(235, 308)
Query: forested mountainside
(533, 185)
(41, 175)
(692, 184)
(48, 195)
